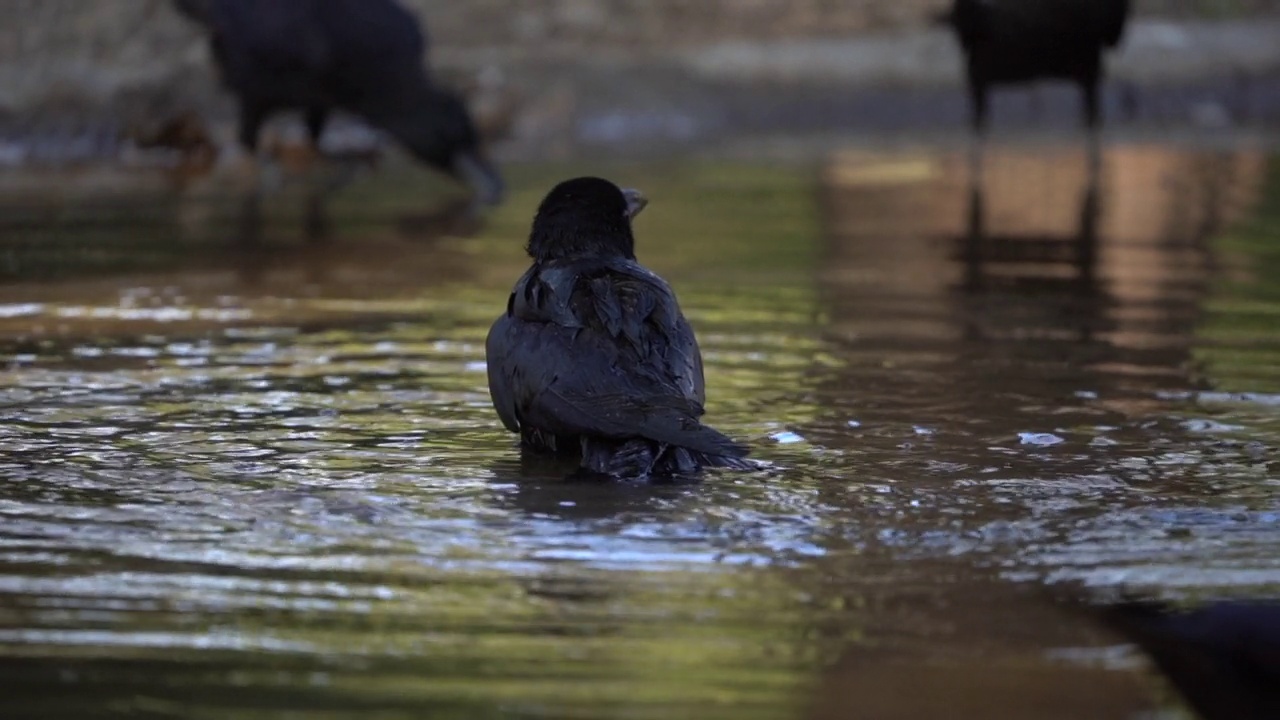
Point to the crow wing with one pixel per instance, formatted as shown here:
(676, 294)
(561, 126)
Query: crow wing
(1113, 17)
(1041, 21)
(600, 349)
(499, 350)
(268, 39)
(343, 45)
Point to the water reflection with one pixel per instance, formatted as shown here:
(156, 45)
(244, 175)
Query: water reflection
(986, 658)
(983, 252)
(1040, 230)
(1059, 295)
(1005, 341)
(112, 222)
(548, 488)
(268, 482)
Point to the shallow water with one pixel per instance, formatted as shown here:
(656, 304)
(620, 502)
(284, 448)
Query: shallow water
(265, 480)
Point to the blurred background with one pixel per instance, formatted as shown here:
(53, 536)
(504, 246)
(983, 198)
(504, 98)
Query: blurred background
(552, 77)
(249, 466)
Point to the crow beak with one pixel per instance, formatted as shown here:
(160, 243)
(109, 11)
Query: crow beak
(480, 176)
(635, 202)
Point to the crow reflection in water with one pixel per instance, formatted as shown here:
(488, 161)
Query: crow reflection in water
(361, 56)
(593, 357)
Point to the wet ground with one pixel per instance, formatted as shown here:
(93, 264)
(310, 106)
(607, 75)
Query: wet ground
(264, 479)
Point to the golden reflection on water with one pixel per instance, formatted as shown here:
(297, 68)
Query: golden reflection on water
(1042, 249)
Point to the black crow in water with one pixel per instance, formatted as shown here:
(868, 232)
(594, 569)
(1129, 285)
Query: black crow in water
(362, 56)
(1224, 657)
(593, 357)
(1019, 41)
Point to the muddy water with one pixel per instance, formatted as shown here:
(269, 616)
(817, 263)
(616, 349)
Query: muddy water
(264, 480)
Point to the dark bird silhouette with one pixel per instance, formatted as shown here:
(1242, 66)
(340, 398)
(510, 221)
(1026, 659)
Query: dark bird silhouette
(362, 56)
(1224, 658)
(593, 356)
(1019, 41)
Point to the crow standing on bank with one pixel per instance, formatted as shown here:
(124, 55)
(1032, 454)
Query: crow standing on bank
(1019, 41)
(593, 356)
(362, 56)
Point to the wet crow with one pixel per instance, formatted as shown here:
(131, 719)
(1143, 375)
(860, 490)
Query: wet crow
(1224, 657)
(362, 56)
(1019, 41)
(593, 357)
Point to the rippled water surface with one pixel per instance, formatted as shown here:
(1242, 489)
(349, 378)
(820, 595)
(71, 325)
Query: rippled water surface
(264, 480)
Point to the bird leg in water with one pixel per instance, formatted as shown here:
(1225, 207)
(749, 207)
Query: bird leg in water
(270, 175)
(343, 170)
(1089, 96)
(317, 227)
(344, 166)
(1095, 157)
(657, 456)
(976, 151)
(250, 231)
(267, 176)
(265, 179)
